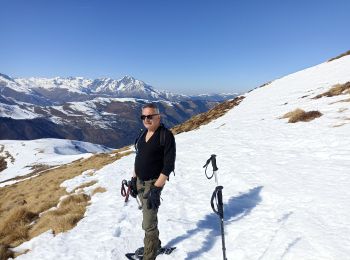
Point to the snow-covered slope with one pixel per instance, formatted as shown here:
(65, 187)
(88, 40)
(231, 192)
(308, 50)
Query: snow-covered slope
(23, 155)
(286, 186)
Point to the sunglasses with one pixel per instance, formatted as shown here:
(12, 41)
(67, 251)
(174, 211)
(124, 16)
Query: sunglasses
(149, 117)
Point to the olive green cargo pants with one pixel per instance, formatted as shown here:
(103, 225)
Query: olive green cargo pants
(149, 222)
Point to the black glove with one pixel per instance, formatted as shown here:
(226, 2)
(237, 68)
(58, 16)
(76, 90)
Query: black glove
(153, 200)
(133, 187)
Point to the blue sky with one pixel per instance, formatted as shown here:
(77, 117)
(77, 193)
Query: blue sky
(185, 46)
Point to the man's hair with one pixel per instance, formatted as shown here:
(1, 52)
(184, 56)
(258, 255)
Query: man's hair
(151, 105)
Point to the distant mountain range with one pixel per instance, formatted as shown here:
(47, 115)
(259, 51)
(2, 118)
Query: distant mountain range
(103, 111)
(56, 91)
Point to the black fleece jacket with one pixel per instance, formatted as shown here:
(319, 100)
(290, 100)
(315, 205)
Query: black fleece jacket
(152, 159)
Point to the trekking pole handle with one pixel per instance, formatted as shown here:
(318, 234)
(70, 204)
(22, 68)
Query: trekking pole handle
(213, 162)
(212, 159)
(217, 194)
(220, 203)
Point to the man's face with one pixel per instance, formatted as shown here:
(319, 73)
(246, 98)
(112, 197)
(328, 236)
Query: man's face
(151, 122)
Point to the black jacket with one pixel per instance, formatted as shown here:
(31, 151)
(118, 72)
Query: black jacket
(155, 156)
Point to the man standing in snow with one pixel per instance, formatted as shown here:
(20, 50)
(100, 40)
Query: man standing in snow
(155, 160)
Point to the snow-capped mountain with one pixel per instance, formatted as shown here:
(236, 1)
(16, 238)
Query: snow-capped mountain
(285, 185)
(84, 88)
(60, 90)
(12, 91)
(125, 87)
(104, 111)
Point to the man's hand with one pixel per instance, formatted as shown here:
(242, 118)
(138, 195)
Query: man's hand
(153, 200)
(133, 188)
(161, 180)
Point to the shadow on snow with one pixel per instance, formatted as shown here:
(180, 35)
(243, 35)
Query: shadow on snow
(235, 209)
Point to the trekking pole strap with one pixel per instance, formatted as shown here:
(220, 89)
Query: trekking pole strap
(125, 192)
(122, 189)
(212, 159)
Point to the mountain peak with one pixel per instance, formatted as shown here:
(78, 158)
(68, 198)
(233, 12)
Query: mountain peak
(127, 77)
(6, 77)
(127, 80)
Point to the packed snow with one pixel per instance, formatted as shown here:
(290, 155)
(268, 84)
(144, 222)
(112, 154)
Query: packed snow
(286, 186)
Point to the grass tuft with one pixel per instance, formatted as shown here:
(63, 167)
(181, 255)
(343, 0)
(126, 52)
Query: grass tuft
(15, 226)
(71, 209)
(98, 190)
(5, 252)
(336, 90)
(299, 115)
(84, 185)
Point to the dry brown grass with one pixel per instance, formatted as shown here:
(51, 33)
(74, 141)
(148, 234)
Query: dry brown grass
(339, 56)
(84, 185)
(338, 89)
(15, 226)
(41, 193)
(261, 86)
(299, 115)
(98, 190)
(37, 168)
(40, 167)
(5, 253)
(205, 118)
(123, 149)
(71, 209)
(91, 173)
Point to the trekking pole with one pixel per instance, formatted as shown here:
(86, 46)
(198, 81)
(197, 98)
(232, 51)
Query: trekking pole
(126, 192)
(217, 196)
